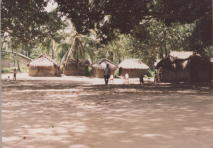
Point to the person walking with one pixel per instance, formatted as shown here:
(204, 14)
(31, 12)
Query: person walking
(107, 73)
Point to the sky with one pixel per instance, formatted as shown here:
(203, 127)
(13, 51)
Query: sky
(51, 6)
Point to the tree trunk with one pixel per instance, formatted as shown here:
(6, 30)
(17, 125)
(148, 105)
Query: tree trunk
(14, 56)
(165, 48)
(53, 49)
(18, 65)
(161, 53)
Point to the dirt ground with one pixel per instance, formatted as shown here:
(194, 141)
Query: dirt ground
(80, 112)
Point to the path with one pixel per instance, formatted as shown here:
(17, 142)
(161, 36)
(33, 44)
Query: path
(64, 113)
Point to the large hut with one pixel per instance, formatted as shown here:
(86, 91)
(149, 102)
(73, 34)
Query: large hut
(133, 67)
(76, 68)
(181, 68)
(99, 66)
(43, 66)
(74, 60)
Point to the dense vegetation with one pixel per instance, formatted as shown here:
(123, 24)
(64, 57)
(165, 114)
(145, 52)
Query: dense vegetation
(146, 29)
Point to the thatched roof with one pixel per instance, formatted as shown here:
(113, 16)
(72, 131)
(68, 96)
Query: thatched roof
(171, 63)
(133, 64)
(101, 64)
(181, 54)
(175, 58)
(43, 61)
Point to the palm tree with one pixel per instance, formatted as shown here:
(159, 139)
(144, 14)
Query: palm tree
(82, 47)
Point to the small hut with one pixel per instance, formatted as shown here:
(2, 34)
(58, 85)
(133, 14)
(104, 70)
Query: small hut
(43, 66)
(99, 66)
(133, 67)
(76, 68)
(186, 68)
(173, 70)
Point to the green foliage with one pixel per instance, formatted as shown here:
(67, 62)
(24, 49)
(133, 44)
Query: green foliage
(7, 70)
(10, 70)
(108, 15)
(162, 39)
(81, 48)
(26, 25)
(150, 74)
(184, 11)
(189, 11)
(104, 15)
(201, 36)
(23, 20)
(110, 29)
(209, 51)
(61, 50)
(150, 40)
(90, 46)
(119, 48)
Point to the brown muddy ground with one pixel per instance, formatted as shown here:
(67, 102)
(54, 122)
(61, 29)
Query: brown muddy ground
(80, 112)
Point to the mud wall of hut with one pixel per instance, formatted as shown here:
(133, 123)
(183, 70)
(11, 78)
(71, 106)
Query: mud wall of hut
(165, 75)
(75, 70)
(198, 70)
(133, 73)
(40, 71)
(99, 73)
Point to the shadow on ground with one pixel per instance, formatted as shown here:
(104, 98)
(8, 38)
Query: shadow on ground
(54, 114)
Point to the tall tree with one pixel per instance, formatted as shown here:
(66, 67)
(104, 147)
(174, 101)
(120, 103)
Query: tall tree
(107, 15)
(27, 21)
(104, 15)
(189, 11)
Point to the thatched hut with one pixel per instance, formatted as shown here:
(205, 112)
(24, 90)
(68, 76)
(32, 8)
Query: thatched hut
(194, 68)
(133, 67)
(43, 66)
(76, 68)
(173, 70)
(99, 66)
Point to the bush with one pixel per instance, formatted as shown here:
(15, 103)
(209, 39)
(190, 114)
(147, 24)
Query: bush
(10, 69)
(7, 70)
(150, 73)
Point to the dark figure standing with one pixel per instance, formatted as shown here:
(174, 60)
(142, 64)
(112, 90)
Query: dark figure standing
(14, 74)
(107, 73)
(141, 79)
